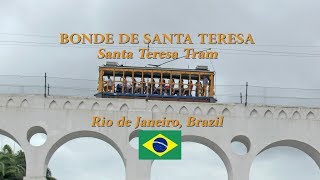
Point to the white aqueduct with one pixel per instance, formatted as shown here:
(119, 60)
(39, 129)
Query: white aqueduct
(259, 127)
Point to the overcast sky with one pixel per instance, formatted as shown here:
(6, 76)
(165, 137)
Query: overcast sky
(285, 32)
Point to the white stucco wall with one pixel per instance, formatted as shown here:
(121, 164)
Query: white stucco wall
(65, 118)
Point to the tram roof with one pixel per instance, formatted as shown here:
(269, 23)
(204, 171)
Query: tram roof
(156, 68)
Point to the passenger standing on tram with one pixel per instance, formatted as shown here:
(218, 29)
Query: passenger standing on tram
(109, 84)
(133, 85)
(197, 88)
(119, 86)
(163, 85)
(140, 87)
(144, 85)
(153, 83)
(167, 87)
(188, 91)
(175, 89)
(205, 85)
(157, 89)
(171, 91)
(181, 89)
(125, 84)
(200, 89)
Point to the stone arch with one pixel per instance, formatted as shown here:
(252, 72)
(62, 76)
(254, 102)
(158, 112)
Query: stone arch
(282, 115)
(10, 103)
(155, 112)
(34, 130)
(304, 147)
(183, 110)
(124, 108)
(169, 110)
(244, 140)
(67, 105)
(24, 104)
(296, 115)
(110, 107)
(197, 111)
(268, 114)
(81, 134)
(95, 106)
(155, 108)
(212, 112)
(310, 116)
(226, 112)
(53, 105)
(81, 105)
(214, 147)
(134, 134)
(134, 139)
(254, 113)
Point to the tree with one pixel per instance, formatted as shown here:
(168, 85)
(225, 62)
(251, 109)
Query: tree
(49, 175)
(13, 165)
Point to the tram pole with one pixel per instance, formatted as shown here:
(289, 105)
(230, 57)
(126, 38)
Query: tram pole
(45, 85)
(48, 89)
(246, 103)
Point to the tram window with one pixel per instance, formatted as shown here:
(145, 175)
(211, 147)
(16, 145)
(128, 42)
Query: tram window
(152, 83)
(164, 83)
(157, 81)
(132, 83)
(192, 88)
(174, 86)
(118, 80)
(147, 85)
(127, 83)
(108, 83)
(205, 85)
(182, 82)
(140, 83)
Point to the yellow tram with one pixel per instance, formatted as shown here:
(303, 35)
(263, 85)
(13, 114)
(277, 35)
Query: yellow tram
(154, 83)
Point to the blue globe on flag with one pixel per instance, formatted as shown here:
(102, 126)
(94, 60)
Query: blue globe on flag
(160, 145)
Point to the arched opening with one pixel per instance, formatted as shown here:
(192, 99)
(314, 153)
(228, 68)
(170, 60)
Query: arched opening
(86, 155)
(37, 136)
(134, 139)
(201, 159)
(12, 157)
(156, 113)
(240, 145)
(184, 111)
(124, 109)
(286, 160)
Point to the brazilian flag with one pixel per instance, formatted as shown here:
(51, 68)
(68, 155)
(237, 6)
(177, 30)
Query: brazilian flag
(159, 144)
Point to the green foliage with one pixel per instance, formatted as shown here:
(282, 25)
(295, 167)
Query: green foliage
(13, 165)
(49, 175)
